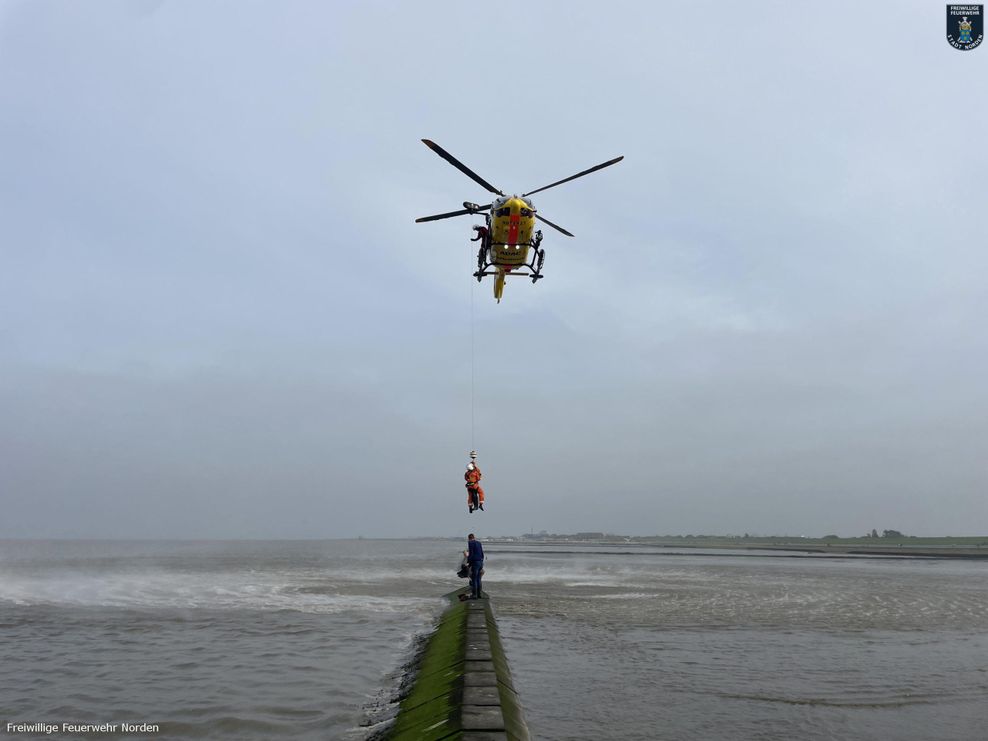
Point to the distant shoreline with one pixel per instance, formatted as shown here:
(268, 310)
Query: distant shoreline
(961, 547)
(957, 547)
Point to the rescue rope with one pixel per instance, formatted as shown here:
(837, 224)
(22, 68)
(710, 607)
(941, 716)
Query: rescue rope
(473, 445)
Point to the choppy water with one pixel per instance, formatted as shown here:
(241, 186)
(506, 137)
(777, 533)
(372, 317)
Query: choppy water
(305, 639)
(656, 645)
(237, 640)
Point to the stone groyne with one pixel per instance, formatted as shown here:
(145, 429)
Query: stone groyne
(462, 689)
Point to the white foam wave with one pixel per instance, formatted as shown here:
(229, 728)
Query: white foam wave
(199, 591)
(566, 577)
(623, 595)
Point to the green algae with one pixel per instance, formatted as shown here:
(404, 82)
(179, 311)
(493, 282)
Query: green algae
(432, 709)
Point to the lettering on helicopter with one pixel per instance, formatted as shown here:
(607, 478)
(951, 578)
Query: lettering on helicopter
(509, 230)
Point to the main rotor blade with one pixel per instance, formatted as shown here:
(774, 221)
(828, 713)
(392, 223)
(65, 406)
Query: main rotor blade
(574, 177)
(451, 214)
(460, 166)
(554, 226)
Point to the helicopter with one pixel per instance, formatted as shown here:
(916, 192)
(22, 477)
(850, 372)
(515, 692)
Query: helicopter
(507, 236)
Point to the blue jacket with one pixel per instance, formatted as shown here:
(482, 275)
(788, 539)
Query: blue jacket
(476, 552)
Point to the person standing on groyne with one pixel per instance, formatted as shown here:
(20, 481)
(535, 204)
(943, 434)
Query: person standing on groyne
(475, 557)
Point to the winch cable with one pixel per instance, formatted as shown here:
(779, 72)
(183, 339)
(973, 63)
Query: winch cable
(473, 364)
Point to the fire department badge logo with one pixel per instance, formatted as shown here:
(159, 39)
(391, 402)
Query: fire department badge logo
(965, 26)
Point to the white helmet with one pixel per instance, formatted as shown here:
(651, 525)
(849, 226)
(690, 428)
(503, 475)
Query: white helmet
(470, 466)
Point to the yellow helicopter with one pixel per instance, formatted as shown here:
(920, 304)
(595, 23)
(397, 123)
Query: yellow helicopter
(508, 235)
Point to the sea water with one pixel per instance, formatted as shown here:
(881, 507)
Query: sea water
(238, 640)
(663, 644)
(308, 639)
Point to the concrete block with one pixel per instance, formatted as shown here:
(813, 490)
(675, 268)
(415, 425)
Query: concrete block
(481, 696)
(480, 679)
(481, 718)
(477, 653)
(470, 667)
(484, 736)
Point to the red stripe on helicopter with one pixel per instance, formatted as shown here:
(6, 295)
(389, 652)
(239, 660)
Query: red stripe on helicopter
(513, 229)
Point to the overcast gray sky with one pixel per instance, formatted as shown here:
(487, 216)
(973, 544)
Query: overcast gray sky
(218, 319)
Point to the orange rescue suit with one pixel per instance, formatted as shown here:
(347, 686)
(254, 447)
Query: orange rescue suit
(473, 484)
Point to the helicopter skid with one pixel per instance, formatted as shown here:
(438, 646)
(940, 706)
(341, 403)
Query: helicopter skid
(533, 266)
(534, 276)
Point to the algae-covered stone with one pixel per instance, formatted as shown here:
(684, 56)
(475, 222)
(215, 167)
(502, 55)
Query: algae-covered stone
(462, 690)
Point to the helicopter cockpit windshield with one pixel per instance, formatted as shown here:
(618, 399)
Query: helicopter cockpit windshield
(502, 206)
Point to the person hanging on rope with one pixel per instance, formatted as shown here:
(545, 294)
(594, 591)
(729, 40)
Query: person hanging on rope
(475, 492)
(483, 236)
(482, 232)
